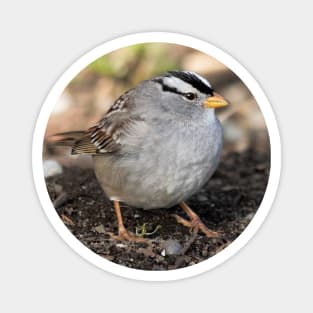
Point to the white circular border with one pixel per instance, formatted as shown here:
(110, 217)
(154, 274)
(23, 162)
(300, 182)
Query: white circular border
(171, 38)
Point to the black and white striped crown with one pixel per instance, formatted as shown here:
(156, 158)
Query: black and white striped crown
(193, 79)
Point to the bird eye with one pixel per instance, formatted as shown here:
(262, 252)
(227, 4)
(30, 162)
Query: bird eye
(190, 96)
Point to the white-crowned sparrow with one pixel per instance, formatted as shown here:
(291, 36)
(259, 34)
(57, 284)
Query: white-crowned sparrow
(159, 143)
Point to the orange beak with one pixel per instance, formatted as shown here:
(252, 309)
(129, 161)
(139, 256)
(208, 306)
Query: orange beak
(215, 101)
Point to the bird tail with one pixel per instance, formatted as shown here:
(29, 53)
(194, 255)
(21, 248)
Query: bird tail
(66, 139)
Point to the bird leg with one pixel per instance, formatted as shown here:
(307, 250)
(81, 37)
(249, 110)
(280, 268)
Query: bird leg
(123, 234)
(195, 223)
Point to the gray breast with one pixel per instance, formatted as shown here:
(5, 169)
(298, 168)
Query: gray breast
(166, 167)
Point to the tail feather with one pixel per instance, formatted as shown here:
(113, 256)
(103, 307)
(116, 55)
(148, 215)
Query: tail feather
(78, 141)
(75, 134)
(67, 139)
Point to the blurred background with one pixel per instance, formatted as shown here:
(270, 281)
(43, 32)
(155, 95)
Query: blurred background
(90, 94)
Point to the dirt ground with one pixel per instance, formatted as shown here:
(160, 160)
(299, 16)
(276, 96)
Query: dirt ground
(226, 204)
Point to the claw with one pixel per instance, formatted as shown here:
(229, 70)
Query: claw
(195, 224)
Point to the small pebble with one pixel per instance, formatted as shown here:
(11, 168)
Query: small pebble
(58, 188)
(100, 229)
(69, 210)
(249, 217)
(51, 168)
(202, 198)
(205, 253)
(172, 247)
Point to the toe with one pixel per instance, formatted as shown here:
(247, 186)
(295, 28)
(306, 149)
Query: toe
(126, 236)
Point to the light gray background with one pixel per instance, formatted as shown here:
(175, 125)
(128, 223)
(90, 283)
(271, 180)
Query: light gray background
(39, 272)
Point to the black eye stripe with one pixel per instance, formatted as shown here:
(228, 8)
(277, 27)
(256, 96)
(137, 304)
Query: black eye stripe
(187, 95)
(168, 88)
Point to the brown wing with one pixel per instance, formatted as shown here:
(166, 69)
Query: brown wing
(105, 136)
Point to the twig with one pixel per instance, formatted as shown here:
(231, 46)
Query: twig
(189, 243)
(61, 199)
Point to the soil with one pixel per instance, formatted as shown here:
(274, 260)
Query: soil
(226, 204)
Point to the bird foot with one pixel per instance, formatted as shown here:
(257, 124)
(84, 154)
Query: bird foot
(126, 236)
(195, 225)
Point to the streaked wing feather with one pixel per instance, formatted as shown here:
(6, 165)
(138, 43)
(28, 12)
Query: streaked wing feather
(105, 136)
